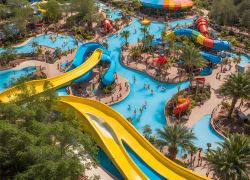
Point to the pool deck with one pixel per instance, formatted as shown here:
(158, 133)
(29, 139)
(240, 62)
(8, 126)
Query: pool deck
(199, 111)
(146, 65)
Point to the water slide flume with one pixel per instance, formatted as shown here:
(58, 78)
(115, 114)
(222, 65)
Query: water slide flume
(202, 25)
(80, 58)
(57, 81)
(201, 39)
(109, 128)
(40, 5)
(113, 130)
(183, 105)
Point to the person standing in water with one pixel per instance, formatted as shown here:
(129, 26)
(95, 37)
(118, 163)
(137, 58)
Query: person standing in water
(134, 78)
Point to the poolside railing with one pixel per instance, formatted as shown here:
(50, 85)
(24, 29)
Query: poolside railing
(216, 128)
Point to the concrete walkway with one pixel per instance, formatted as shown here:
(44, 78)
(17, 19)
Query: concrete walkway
(199, 111)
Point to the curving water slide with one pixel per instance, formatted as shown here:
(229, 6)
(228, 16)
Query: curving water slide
(81, 55)
(110, 129)
(201, 39)
(57, 81)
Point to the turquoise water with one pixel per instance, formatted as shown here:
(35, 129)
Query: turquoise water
(244, 60)
(147, 170)
(10, 75)
(62, 91)
(182, 22)
(46, 41)
(64, 64)
(138, 96)
(205, 133)
(110, 11)
(108, 165)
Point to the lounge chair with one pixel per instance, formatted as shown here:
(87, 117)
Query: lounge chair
(242, 117)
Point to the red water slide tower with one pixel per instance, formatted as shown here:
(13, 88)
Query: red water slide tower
(202, 25)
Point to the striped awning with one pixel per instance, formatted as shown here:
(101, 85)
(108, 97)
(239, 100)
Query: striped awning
(168, 4)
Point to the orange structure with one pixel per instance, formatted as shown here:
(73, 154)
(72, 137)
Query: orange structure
(202, 25)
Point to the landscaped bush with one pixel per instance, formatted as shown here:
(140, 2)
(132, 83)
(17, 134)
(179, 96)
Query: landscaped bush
(108, 89)
(197, 95)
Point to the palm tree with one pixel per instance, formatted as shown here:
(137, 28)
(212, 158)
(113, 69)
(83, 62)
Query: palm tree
(147, 133)
(191, 57)
(125, 34)
(144, 30)
(231, 159)
(135, 52)
(148, 40)
(209, 145)
(168, 64)
(192, 149)
(236, 86)
(175, 136)
(34, 46)
(223, 63)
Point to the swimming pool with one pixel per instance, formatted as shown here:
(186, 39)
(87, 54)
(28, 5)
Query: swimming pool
(205, 133)
(46, 41)
(154, 112)
(245, 59)
(10, 75)
(62, 91)
(110, 11)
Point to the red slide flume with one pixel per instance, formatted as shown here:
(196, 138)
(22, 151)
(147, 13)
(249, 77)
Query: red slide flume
(184, 103)
(202, 25)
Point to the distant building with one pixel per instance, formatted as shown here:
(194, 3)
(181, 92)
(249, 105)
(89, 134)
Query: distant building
(170, 8)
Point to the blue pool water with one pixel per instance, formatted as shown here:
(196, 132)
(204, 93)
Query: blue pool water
(63, 64)
(10, 75)
(62, 91)
(147, 170)
(111, 12)
(46, 41)
(205, 133)
(138, 96)
(244, 60)
(182, 22)
(108, 165)
(154, 112)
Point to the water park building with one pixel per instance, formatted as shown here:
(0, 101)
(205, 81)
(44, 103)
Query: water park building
(170, 8)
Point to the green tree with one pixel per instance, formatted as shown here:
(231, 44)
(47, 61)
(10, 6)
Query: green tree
(125, 34)
(8, 55)
(38, 142)
(236, 86)
(231, 160)
(191, 57)
(53, 11)
(22, 16)
(175, 136)
(135, 52)
(86, 10)
(148, 134)
(144, 30)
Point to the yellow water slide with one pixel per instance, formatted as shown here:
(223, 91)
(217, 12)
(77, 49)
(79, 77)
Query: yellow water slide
(40, 6)
(57, 81)
(110, 129)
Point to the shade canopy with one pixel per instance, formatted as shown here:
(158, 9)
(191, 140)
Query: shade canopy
(168, 4)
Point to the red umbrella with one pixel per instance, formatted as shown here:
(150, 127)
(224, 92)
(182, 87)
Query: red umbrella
(160, 59)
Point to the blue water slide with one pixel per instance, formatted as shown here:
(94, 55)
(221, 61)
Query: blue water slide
(221, 45)
(213, 58)
(183, 32)
(206, 71)
(108, 77)
(82, 54)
